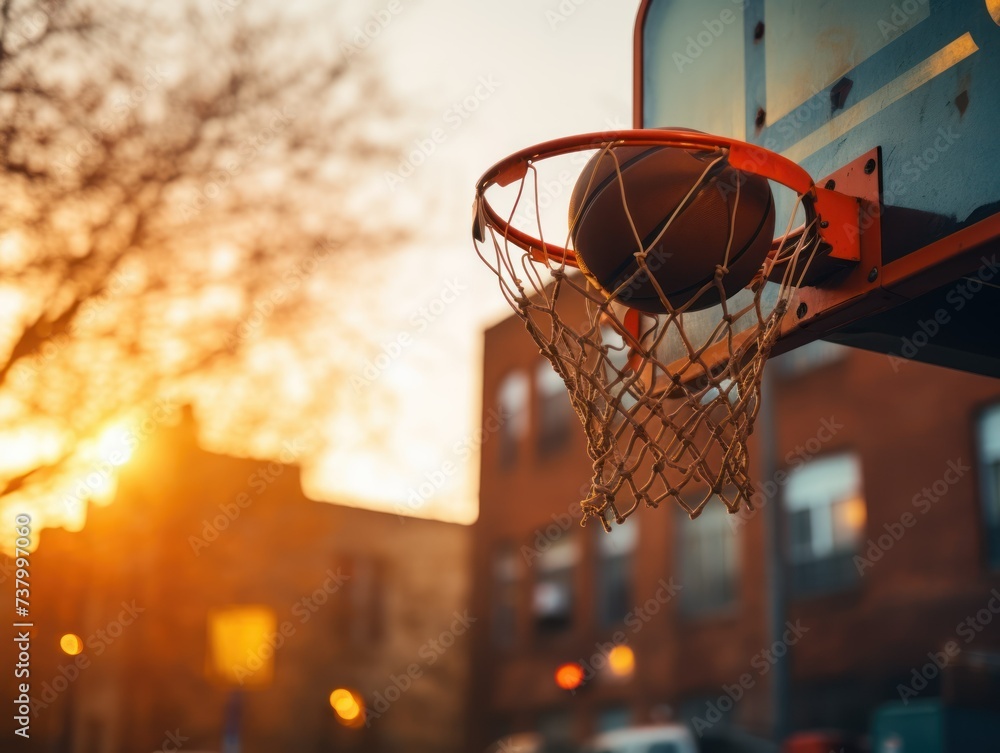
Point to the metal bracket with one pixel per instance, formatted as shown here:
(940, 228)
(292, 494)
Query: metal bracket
(854, 233)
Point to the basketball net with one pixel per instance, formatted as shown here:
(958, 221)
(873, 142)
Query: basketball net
(655, 430)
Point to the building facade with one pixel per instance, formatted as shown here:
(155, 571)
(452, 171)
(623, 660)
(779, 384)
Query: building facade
(194, 542)
(888, 482)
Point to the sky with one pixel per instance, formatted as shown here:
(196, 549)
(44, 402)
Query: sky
(484, 79)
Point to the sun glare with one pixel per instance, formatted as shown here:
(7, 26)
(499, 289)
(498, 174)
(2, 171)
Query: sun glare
(116, 444)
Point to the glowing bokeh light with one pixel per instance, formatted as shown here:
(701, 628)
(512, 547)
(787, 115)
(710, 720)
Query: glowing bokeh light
(236, 632)
(621, 661)
(71, 644)
(854, 514)
(348, 707)
(569, 676)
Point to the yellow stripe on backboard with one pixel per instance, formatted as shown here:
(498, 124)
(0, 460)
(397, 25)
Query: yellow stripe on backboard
(899, 87)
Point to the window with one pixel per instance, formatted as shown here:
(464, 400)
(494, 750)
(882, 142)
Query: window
(615, 554)
(989, 459)
(365, 586)
(555, 412)
(506, 574)
(826, 514)
(513, 399)
(552, 600)
(709, 560)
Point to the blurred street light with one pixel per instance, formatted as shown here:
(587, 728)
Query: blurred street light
(71, 644)
(348, 706)
(621, 661)
(242, 641)
(569, 676)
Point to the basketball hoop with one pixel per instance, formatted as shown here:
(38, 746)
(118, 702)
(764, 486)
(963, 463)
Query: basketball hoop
(667, 413)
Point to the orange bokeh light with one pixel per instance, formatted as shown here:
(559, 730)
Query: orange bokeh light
(569, 676)
(71, 644)
(348, 706)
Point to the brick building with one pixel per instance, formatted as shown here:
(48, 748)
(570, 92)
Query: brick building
(889, 484)
(360, 600)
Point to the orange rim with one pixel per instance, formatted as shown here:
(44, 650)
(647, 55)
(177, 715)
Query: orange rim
(742, 156)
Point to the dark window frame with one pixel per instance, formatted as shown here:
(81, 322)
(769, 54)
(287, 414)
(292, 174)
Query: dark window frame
(553, 410)
(564, 577)
(836, 571)
(505, 595)
(614, 592)
(988, 469)
(694, 605)
(515, 420)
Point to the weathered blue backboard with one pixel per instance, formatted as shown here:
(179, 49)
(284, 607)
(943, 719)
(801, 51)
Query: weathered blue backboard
(824, 82)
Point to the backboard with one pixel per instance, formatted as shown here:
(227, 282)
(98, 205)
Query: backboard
(895, 99)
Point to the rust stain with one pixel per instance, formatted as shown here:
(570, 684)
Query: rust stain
(962, 101)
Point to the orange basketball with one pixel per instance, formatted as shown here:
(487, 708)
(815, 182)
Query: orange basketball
(683, 261)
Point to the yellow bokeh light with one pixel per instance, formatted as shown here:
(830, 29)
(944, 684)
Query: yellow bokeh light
(348, 707)
(71, 644)
(854, 514)
(621, 661)
(235, 633)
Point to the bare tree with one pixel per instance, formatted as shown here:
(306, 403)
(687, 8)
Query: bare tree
(181, 189)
